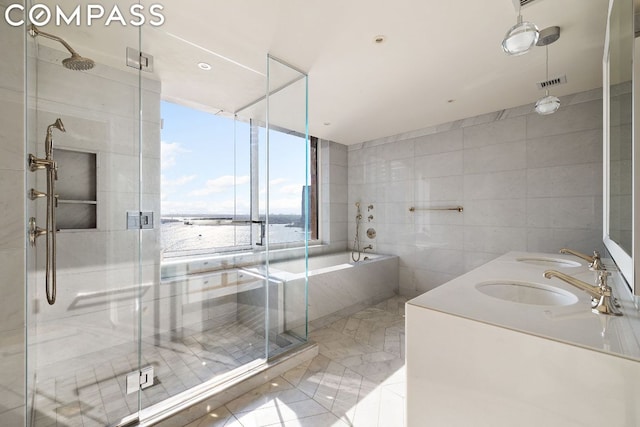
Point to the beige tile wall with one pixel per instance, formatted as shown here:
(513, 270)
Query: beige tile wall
(527, 182)
(12, 164)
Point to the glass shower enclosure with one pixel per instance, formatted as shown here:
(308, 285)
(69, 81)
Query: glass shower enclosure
(121, 327)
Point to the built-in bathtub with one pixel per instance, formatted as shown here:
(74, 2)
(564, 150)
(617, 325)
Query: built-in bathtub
(336, 283)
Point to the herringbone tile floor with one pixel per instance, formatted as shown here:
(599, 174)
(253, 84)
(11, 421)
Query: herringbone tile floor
(358, 378)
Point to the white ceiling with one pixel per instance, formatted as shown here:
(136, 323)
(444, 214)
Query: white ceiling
(435, 51)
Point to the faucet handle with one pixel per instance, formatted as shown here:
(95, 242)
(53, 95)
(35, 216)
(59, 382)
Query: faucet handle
(607, 303)
(596, 264)
(602, 278)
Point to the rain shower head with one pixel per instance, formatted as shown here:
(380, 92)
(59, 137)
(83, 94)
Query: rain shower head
(76, 62)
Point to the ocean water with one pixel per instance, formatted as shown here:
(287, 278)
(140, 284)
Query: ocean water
(178, 237)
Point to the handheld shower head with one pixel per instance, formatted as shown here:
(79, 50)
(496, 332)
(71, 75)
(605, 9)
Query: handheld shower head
(58, 125)
(76, 62)
(48, 142)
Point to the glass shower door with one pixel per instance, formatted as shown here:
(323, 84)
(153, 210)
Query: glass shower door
(203, 322)
(86, 265)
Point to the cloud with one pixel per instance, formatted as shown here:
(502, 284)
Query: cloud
(277, 181)
(221, 184)
(165, 183)
(285, 205)
(169, 151)
(291, 189)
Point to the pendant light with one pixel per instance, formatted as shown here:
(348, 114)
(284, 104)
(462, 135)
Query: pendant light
(548, 104)
(521, 37)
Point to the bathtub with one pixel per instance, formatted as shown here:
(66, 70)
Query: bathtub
(336, 284)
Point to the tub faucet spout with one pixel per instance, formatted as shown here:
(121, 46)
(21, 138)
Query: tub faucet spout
(367, 247)
(601, 295)
(595, 263)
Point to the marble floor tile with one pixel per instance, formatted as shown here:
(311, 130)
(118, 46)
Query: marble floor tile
(358, 378)
(221, 417)
(91, 389)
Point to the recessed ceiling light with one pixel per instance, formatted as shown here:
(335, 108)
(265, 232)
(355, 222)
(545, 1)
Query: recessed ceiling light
(379, 39)
(204, 66)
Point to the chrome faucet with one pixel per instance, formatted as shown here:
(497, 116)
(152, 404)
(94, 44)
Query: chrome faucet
(602, 300)
(367, 247)
(595, 263)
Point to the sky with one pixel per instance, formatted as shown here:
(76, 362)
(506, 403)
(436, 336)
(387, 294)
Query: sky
(199, 173)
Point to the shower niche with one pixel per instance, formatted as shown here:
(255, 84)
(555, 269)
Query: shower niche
(76, 190)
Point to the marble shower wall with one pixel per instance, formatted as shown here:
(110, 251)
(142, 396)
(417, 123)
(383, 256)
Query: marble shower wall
(99, 269)
(332, 206)
(526, 182)
(12, 265)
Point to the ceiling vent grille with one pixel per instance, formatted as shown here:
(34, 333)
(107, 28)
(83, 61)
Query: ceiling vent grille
(521, 3)
(552, 82)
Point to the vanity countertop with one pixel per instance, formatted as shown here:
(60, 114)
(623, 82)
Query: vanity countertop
(573, 324)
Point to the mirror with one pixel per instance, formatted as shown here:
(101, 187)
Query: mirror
(618, 88)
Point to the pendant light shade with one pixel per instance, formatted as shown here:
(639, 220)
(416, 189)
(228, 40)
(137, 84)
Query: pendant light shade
(520, 38)
(547, 105)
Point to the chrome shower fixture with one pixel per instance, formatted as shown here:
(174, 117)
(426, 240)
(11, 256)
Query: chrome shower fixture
(76, 62)
(355, 252)
(48, 143)
(50, 165)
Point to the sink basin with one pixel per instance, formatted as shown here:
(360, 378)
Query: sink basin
(549, 262)
(527, 293)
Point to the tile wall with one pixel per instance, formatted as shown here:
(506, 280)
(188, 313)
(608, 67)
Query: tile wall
(12, 165)
(98, 270)
(526, 182)
(333, 195)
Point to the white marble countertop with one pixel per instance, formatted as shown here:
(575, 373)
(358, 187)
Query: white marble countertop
(573, 324)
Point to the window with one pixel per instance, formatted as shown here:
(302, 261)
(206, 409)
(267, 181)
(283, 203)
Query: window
(211, 184)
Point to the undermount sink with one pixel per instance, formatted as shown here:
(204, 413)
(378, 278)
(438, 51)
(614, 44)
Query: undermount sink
(527, 293)
(549, 262)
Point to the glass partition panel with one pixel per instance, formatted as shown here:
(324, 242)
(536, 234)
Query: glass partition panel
(289, 199)
(84, 272)
(204, 317)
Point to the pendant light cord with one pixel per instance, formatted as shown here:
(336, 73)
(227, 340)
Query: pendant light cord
(546, 48)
